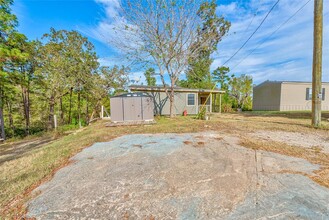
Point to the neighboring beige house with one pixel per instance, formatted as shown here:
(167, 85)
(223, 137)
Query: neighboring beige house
(190, 100)
(287, 96)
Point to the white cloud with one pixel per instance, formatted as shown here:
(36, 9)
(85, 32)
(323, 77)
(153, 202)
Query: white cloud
(111, 7)
(137, 78)
(111, 61)
(106, 31)
(287, 55)
(229, 9)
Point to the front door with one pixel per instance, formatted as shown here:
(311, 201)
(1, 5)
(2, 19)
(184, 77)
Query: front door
(203, 100)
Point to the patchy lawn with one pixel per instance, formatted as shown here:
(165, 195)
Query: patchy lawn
(20, 175)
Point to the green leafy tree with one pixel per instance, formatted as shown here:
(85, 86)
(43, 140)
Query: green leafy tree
(220, 75)
(149, 76)
(59, 75)
(213, 27)
(68, 65)
(106, 82)
(9, 52)
(23, 74)
(80, 52)
(241, 91)
(115, 78)
(52, 71)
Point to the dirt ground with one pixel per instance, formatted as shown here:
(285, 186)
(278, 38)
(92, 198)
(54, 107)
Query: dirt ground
(206, 175)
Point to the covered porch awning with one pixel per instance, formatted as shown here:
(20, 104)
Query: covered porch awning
(211, 101)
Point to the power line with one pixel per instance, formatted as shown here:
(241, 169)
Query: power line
(252, 33)
(276, 30)
(250, 22)
(284, 23)
(255, 14)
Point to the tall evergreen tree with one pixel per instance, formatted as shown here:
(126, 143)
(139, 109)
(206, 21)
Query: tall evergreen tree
(149, 76)
(25, 70)
(220, 75)
(9, 51)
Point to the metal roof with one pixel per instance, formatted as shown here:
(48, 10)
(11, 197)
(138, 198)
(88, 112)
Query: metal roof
(286, 82)
(132, 94)
(176, 89)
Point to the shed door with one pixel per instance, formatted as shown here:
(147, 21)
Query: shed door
(116, 109)
(132, 109)
(148, 108)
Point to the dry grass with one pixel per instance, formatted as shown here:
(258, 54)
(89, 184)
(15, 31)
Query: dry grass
(18, 177)
(320, 176)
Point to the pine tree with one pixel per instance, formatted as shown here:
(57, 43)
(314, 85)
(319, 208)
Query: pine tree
(9, 52)
(149, 76)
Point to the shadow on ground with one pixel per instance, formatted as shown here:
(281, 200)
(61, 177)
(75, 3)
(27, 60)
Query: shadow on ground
(12, 151)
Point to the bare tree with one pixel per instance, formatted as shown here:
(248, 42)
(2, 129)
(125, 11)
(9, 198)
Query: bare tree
(163, 33)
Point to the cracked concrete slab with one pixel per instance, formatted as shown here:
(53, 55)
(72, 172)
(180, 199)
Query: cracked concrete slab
(180, 176)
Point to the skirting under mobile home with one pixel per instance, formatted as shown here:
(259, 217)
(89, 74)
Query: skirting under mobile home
(287, 96)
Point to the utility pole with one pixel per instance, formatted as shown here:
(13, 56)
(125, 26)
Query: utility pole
(317, 63)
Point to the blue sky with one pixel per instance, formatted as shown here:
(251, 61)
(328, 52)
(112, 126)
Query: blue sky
(287, 55)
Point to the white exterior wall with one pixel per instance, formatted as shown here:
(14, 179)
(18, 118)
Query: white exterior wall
(285, 96)
(293, 97)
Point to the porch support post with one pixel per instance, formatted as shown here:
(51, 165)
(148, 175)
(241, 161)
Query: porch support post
(210, 107)
(197, 104)
(220, 102)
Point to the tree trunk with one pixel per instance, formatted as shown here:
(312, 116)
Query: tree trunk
(2, 125)
(70, 109)
(62, 110)
(26, 105)
(91, 118)
(10, 116)
(2, 122)
(87, 111)
(79, 109)
(172, 99)
(51, 112)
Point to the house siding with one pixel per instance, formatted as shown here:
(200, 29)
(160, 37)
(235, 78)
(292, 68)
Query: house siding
(285, 96)
(267, 97)
(293, 97)
(162, 103)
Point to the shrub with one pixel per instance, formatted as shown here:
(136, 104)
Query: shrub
(227, 108)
